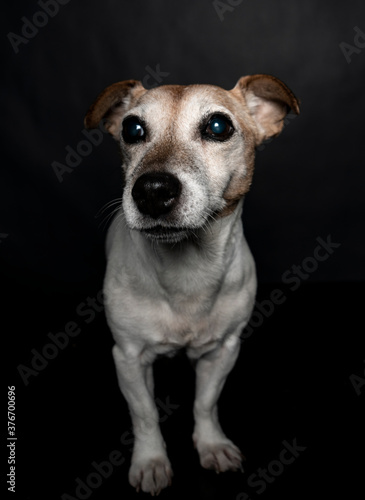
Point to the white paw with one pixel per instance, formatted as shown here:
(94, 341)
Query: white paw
(151, 475)
(220, 456)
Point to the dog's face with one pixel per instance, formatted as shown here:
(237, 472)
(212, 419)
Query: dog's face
(188, 151)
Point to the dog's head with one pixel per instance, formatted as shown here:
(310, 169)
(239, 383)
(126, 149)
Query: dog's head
(188, 151)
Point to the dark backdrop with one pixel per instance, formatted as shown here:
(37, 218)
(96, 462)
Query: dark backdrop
(296, 374)
(308, 182)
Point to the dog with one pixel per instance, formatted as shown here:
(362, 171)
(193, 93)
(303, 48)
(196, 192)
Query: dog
(179, 271)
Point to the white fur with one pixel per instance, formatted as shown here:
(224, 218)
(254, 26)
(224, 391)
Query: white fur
(159, 300)
(184, 279)
(197, 294)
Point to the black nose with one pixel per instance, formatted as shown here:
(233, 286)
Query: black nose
(156, 194)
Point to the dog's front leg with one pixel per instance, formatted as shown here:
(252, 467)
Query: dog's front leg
(150, 469)
(215, 450)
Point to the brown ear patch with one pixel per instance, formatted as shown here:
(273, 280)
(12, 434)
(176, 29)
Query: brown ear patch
(268, 100)
(270, 88)
(111, 103)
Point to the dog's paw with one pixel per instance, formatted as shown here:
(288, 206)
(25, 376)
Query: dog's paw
(151, 475)
(220, 457)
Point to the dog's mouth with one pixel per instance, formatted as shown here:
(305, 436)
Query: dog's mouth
(167, 234)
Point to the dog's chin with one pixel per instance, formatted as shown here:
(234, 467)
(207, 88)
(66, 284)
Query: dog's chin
(167, 234)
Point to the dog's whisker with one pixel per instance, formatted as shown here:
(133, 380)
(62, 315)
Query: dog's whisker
(119, 219)
(108, 217)
(209, 219)
(108, 205)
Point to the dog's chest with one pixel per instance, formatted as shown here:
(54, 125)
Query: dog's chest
(166, 324)
(165, 301)
(192, 309)
(193, 319)
(198, 322)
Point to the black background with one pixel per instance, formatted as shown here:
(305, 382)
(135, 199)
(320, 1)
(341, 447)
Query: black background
(293, 376)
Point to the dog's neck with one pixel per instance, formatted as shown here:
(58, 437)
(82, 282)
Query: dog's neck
(180, 267)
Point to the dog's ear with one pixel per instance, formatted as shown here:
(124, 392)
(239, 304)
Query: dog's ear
(268, 100)
(111, 104)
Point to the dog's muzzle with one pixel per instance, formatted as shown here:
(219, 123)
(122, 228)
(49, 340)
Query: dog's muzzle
(156, 194)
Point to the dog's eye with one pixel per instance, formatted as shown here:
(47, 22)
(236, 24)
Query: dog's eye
(218, 128)
(133, 130)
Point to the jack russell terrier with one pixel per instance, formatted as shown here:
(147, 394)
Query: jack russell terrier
(180, 273)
